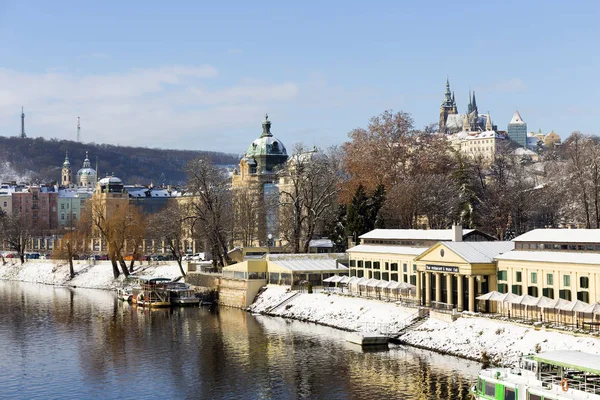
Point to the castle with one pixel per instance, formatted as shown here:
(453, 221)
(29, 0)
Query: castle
(452, 122)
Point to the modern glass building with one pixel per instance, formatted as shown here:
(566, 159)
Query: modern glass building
(517, 130)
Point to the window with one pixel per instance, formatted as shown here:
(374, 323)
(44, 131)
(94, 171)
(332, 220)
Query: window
(566, 280)
(584, 282)
(564, 247)
(509, 394)
(532, 291)
(360, 263)
(590, 247)
(532, 246)
(62, 206)
(376, 264)
(548, 292)
(360, 273)
(387, 266)
(572, 247)
(5, 204)
(534, 397)
(367, 264)
(503, 287)
(502, 275)
(404, 267)
(490, 389)
(565, 294)
(547, 246)
(394, 277)
(413, 280)
(385, 276)
(376, 275)
(580, 247)
(414, 267)
(549, 279)
(519, 276)
(583, 296)
(517, 289)
(394, 267)
(534, 277)
(353, 263)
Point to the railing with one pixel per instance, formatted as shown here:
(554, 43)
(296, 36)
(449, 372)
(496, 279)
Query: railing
(578, 383)
(442, 307)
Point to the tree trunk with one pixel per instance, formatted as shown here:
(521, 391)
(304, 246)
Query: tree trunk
(70, 254)
(178, 258)
(115, 268)
(131, 263)
(123, 266)
(22, 257)
(3, 260)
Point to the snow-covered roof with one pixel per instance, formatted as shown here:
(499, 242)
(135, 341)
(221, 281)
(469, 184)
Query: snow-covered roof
(311, 264)
(574, 359)
(560, 257)
(67, 193)
(479, 252)
(383, 249)
(521, 152)
(516, 119)
(560, 236)
(412, 234)
(326, 243)
(110, 179)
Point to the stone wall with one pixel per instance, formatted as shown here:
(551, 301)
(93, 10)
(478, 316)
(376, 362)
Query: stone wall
(209, 281)
(239, 293)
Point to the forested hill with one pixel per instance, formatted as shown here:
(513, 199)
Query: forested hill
(40, 160)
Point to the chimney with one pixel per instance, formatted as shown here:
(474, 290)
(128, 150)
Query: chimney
(457, 233)
(351, 242)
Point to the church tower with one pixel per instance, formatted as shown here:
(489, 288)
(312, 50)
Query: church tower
(66, 172)
(448, 107)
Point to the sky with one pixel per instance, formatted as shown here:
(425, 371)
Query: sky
(201, 75)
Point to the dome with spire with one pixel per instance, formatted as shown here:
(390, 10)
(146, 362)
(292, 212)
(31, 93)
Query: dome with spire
(86, 176)
(67, 163)
(266, 144)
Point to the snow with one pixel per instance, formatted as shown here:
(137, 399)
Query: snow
(560, 257)
(339, 311)
(468, 336)
(87, 275)
(424, 234)
(561, 236)
(503, 341)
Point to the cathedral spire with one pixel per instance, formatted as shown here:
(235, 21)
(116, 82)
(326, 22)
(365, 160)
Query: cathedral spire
(488, 124)
(474, 102)
(470, 107)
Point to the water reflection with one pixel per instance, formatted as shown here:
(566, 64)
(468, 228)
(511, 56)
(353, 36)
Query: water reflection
(76, 343)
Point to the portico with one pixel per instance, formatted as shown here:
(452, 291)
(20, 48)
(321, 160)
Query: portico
(452, 274)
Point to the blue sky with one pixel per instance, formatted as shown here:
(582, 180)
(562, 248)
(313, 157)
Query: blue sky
(200, 75)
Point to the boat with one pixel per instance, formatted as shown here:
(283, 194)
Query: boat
(151, 292)
(125, 293)
(181, 294)
(554, 375)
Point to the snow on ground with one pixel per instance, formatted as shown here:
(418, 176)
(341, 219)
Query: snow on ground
(466, 337)
(87, 275)
(503, 341)
(344, 312)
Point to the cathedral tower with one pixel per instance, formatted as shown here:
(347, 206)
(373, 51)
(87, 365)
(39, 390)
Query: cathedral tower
(66, 172)
(448, 107)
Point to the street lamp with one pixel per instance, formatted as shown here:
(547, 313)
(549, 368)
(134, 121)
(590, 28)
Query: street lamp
(269, 239)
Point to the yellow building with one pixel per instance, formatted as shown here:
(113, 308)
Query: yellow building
(390, 254)
(551, 140)
(477, 145)
(556, 263)
(452, 274)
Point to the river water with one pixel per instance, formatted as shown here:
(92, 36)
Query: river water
(85, 344)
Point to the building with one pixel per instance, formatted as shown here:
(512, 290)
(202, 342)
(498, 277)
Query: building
(71, 202)
(556, 263)
(150, 200)
(6, 191)
(65, 180)
(517, 130)
(38, 207)
(255, 189)
(552, 140)
(87, 176)
(390, 254)
(477, 145)
(471, 121)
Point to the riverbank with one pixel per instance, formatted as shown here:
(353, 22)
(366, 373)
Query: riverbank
(468, 337)
(97, 275)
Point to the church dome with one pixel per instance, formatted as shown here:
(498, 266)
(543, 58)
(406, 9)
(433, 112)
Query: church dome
(110, 184)
(266, 144)
(86, 176)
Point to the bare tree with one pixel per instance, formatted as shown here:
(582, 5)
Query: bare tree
(248, 209)
(168, 226)
(16, 232)
(308, 188)
(210, 205)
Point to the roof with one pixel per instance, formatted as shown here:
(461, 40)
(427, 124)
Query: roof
(552, 257)
(479, 252)
(320, 243)
(422, 234)
(374, 248)
(308, 264)
(561, 236)
(516, 119)
(110, 179)
(571, 359)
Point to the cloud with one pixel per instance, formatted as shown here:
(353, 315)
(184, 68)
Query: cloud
(167, 106)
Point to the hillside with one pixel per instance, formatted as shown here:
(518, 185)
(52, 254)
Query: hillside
(40, 160)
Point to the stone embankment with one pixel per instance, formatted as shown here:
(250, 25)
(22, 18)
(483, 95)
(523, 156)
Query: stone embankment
(468, 337)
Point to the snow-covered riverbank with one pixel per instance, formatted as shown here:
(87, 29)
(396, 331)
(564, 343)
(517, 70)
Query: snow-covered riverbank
(87, 275)
(467, 337)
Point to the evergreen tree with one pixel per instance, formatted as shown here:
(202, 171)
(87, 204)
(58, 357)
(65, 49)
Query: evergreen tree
(376, 201)
(358, 212)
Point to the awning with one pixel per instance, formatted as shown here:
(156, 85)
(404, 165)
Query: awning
(345, 279)
(333, 279)
(493, 295)
(592, 309)
(576, 306)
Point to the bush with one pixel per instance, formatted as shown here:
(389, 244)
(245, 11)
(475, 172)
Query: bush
(485, 359)
(538, 348)
(310, 290)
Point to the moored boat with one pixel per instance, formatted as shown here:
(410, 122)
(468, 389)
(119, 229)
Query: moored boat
(555, 375)
(151, 292)
(125, 293)
(181, 294)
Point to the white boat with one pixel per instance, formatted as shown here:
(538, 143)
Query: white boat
(125, 293)
(555, 375)
(181, 294)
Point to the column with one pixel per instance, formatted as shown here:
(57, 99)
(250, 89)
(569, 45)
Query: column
(459, 287)
(471, 293)
(428, 289)
(418, 286)
(438, 287)
(449, 288)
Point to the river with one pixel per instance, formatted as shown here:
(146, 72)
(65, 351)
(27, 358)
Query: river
(80, 343)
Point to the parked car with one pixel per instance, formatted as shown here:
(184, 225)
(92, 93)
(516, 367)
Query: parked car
(198, 257)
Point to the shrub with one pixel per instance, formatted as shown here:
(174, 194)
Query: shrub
(538, 348)
(485, 359)
(310, 290)
(499, 331)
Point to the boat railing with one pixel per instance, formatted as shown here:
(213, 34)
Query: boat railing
(582, 382)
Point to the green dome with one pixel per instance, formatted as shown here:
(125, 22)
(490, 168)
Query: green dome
(266, 146)
(267, 152)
